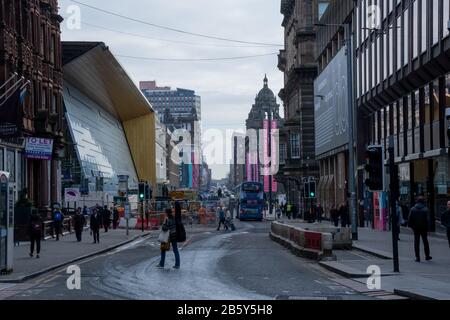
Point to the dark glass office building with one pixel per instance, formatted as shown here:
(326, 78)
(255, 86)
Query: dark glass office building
(402, 76)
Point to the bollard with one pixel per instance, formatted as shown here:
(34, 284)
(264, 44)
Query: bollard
(327, 244)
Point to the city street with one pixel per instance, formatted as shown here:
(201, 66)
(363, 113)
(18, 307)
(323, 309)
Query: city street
(221, 265)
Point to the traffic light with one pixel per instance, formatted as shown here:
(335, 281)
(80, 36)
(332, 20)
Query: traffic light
(307, 192)
(312, 189)
(141, 191)
(375, 168)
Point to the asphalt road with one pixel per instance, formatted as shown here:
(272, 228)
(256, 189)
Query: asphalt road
(243, 265)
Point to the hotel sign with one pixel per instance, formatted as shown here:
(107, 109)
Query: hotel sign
(39, 148)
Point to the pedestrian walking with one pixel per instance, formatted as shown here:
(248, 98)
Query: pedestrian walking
(334, 214)
(85, 211)
(278, 212)
(35, 232)
(95, 225)
(106, 215)
(58, 219)
(419, 222)
(445, 221)
(289, 211)
(79, 221)
(100, 213)
(221, 213)
(169, 227)
(116, 218)
(344, 214)
(295, 211)
(319, 213)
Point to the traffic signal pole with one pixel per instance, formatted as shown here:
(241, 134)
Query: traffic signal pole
(351, 158)
(394, 186)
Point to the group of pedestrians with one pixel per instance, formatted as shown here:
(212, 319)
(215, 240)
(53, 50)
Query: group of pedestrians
(98, 218)
(341, 214)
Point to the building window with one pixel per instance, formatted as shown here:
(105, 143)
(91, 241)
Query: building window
(409, 112)
(427, 104)
(363, 70)
(435, 21)
(416, 109)
(11, 164)
(415, 35)
(406, 37)
(374, 65)
(424, 23)
(388, 122)
(400, 49)
(379, 52)
(295, 145)
(436, 100)
(385, 56)
(446, 11)
(282, 153)
(2, 159)
(391, 49)
(322, 8)
(367, 69)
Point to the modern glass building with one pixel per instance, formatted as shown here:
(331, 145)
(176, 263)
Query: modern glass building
(110, 124)
(402, 78)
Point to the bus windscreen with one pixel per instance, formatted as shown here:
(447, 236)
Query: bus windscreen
(250, 187)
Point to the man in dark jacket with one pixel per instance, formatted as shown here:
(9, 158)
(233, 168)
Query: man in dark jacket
(116, 218)
(445, 221)
(419, 222)
(35, 230)
(95, 225)
(345, 216)
(78, 222)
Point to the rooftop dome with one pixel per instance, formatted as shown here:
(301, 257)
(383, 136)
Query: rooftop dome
(266, 93)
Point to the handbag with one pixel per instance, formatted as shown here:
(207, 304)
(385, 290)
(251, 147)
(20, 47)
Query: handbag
(163, 237)
(165, 246)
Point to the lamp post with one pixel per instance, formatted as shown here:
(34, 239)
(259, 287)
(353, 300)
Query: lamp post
(351, 142)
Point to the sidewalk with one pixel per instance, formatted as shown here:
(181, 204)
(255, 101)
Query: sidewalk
(56, 254)
(425, 280)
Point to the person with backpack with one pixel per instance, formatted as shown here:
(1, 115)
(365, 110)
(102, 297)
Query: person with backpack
(78, 222)
(35, 231)
(58, 219)
(95, 225)
(170, 227)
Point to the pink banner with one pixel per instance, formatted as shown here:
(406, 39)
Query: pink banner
(267, 162)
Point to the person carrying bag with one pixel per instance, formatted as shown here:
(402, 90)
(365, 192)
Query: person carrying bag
(168, 238)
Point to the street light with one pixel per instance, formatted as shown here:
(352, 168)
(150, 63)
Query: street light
(352, 179)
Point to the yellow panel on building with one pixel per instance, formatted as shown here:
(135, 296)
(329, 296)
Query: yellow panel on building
(140, 133)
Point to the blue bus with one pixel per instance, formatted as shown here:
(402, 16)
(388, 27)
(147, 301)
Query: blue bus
(250, 201)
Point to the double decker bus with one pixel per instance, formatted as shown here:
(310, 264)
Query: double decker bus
(250, 201)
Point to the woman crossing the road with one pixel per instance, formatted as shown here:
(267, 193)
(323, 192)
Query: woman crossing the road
(169, 229)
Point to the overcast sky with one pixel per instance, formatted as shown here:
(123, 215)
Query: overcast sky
(227, 88)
